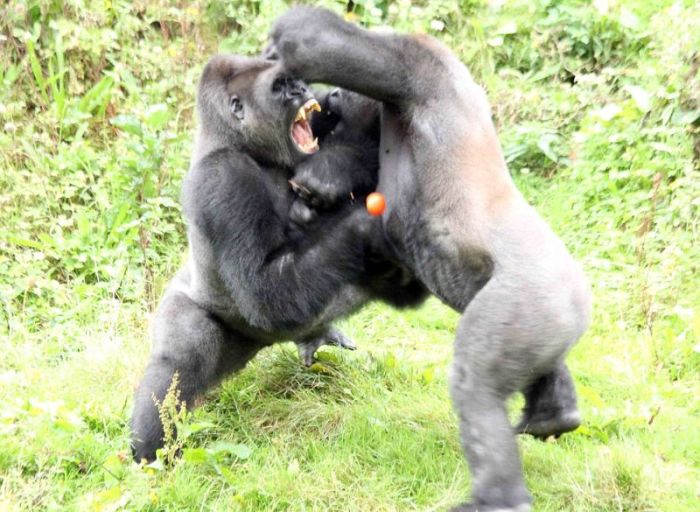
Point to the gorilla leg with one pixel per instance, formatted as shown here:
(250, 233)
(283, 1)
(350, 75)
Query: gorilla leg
(189, 341)
(507, 341)
(487, 437)
(550, 405)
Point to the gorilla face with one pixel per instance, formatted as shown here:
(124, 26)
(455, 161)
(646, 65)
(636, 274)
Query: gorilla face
(347, 110)
(258, 108)
(353, 108)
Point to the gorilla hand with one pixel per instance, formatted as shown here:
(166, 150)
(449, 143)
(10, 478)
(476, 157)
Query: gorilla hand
(292, 30)
(310, 344)
(323, 182)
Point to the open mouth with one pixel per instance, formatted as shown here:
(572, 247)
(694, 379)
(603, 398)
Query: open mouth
(301, 132)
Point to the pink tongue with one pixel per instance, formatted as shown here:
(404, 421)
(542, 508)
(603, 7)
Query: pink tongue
(301, 131)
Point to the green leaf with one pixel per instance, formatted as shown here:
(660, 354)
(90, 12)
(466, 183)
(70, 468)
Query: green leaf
(495, 41)
(241, 451)
(628, 19)
(114, 468)
(327, 357)
(544, 143)
(157, 116)
(107, 500)
(682, 118)
(319, 368)
(36, 70)
(185, 431)
(228, 475)
(195, 455)
(641, 97)
(128, 124)
(583, 429)
(509, 27)
(65, 425)
(24, 242)
(608, 112)
(428, 375)
(591, 396)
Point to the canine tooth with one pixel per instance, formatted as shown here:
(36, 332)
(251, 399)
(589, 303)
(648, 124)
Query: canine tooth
(312, 104)
(301, 114)
(309, 146)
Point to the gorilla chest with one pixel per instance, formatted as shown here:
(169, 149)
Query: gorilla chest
(277, 188)
(396, 163)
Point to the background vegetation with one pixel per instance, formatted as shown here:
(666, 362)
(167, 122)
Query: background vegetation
(598, 106)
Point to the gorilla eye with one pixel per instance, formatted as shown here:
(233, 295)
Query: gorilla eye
(236, 107)
(279, 84)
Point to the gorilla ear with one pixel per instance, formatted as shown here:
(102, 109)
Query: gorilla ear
(236, 107)
(270, 53)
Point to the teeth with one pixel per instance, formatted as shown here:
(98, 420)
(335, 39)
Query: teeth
(311, 145)
(306, 108)
(312, 104)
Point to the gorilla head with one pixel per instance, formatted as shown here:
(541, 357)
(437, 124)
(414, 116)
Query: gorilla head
(353, 111)
(253, 105)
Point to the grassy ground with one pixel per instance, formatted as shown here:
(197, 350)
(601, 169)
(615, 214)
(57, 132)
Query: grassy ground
(598, 107)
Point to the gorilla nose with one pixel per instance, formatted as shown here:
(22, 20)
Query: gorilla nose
(296, 89)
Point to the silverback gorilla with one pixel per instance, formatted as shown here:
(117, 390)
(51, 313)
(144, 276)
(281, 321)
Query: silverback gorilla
(249, 282)
(456, 220)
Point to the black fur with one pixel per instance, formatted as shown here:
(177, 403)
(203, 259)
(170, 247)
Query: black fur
(346, 169)
(249, 282)
(344, 172)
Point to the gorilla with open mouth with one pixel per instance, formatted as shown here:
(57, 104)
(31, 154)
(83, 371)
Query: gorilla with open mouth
(265, 264)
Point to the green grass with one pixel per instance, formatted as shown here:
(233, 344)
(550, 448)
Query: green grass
(599, 115)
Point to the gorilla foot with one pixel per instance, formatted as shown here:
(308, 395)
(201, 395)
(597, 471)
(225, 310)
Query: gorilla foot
(549, 423)
(470, 507)
(550, 405)
(308, 346)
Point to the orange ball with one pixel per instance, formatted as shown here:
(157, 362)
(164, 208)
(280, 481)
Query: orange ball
(376, 204)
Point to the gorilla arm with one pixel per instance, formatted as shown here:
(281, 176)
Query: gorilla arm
(344, 55)
(277, 286)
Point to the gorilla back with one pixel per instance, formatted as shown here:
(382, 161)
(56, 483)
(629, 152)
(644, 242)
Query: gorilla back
(460, 225)
(247, 284)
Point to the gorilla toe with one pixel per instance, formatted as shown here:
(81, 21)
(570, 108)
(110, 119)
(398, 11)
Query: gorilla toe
(549, 423)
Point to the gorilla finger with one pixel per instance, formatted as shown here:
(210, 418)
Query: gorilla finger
(336, 337)
(324, 193)
(301, 214)
(347, 344)
(299, 189)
